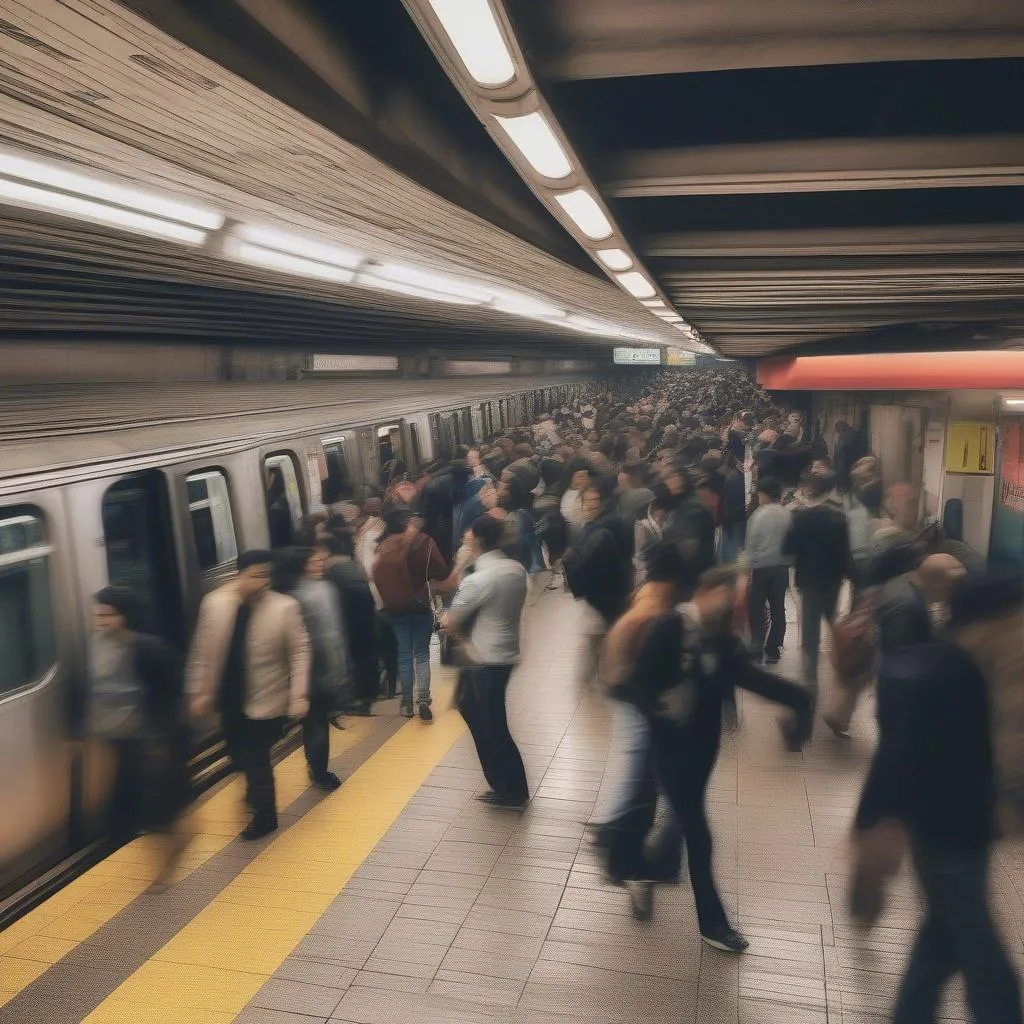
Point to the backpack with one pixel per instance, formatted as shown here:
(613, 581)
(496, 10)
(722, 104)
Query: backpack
(855, 645)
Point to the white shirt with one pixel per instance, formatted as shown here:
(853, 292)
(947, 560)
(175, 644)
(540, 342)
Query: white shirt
(491, 597)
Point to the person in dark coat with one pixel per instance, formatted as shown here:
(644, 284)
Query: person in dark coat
(137, 706)
(360, 618)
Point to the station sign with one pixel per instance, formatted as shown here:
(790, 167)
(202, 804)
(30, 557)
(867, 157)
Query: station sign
(681, 357)
(637, 356)
(971, 447)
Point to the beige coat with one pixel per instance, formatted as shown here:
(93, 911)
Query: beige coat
(277, 656)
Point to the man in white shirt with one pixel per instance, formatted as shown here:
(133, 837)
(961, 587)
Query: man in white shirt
(488, 607)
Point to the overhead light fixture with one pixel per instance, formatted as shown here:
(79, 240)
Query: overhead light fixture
(440, 284)
(383, 284)
(246, 252)
(533, 137)
(296, 245)
(51, 176)
(526, 305)
(29, 196)
(583, 208)
(615, 259)
(601, 327)
(1014, 401)
(672, 318)
(636, 284)
(476, 36)
(652, 303)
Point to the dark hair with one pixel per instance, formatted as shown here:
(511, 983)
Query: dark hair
(577, 465)
(341, 542)
(290, 567)
(257, 556)
(606, 486)
(123, 600)
(517, 494)
(770, 486)
(488, 531)
(396, 518)
(665, 563)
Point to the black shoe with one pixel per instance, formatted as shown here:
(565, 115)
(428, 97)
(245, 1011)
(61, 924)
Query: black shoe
(726, 939)
(498, 800)
(796, 729)
(641, 898)
(426, 715)
(771, 657)
(260, 826)
(328, 782)
(335, 721)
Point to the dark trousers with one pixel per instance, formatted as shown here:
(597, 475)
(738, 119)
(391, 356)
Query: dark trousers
(249, 742)
(128, 799)
(957, 935)
(316, 736)
(817, 601)
(389, 654)
(768, 590)
(481, 702)
(683, 769)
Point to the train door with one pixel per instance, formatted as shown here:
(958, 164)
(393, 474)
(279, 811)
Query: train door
(283, 498)
(416, 450)
(390, 452)
(337, 485)
(40, 640)
(213, 527)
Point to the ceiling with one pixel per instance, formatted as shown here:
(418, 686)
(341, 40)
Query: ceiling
(804, 173)
(113, 92)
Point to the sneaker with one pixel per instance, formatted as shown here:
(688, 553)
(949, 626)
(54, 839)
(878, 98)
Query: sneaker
(726, 939)
(259, 827)
(641, 898)
(407, 711)
(796, 731)
(493, 799)
(328, 782)
(426, 715)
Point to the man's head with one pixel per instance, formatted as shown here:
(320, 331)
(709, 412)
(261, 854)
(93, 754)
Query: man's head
(769, 490)
(939, 575)
(486, 533)
(254, 568)
(114, 610)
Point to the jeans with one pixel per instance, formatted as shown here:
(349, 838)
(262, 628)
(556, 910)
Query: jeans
(412, 635)
(957, 935)
(627, 758)
(249, 742)
(768, 588)
(481, 702)
(316, 737)
(817, 601)
(733, 538)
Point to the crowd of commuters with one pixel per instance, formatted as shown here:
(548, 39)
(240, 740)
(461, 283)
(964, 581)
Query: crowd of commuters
(680, 509)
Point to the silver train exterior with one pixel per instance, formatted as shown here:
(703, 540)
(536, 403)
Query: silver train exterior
(158, 486)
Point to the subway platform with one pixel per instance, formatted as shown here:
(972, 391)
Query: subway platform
(400, 899)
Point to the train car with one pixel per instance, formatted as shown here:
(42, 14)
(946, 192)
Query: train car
(159, 486)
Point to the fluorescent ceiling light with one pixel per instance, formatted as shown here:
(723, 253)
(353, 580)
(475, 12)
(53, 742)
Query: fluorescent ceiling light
(477, 39)
(85, 209)
(69, 181)
(672, 318)
(615, 259)
(309, 248)
(526, 305)
(651, 303)
(273, 260)
(440, 284)
(582, 207)
(1014, 401)
(384, 285)
(636, 284)
(589, 326)
(533, 137)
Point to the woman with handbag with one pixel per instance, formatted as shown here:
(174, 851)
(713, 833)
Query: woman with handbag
(407, 561)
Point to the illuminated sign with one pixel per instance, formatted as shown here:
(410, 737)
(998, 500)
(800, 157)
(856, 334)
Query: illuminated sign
(637, 356)
(971, 448)
(681, 357)
(343, 364)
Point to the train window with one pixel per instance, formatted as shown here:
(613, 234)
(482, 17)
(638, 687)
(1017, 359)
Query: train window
(209, 507)
(389, 446)
(27, 646)
(414, 440)
(337, 487)
(284, 499)
(137, 535)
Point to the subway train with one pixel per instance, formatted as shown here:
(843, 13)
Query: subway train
(159, 486)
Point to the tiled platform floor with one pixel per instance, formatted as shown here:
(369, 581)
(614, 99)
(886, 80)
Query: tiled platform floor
(464, 913)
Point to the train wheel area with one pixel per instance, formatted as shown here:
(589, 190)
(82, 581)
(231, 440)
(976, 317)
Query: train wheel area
(402, 897)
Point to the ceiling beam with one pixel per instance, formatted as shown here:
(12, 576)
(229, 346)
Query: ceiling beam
(818, 165)
(935, 239)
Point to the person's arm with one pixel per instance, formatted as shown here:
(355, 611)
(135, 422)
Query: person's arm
(300, 662)
(468, 600)
(656, 666)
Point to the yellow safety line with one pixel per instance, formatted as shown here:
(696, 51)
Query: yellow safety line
(214, 966)
(35, 942)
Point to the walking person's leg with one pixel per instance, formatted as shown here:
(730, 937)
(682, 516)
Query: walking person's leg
(260, 736)
(777, 582)
(422, 631)
(510, 770)
(403, 630)
(317, 744)
(756, 599)
(470, 706)
(811, 611)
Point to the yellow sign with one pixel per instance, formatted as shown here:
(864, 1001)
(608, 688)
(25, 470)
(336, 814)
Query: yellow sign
(971, 448)
(680, 357)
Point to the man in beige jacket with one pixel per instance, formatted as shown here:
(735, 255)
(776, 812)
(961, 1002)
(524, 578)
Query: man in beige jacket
(250, 662)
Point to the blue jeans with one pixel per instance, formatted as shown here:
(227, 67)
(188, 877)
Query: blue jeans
(957, 935)
(628, 756)
(412, 636)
